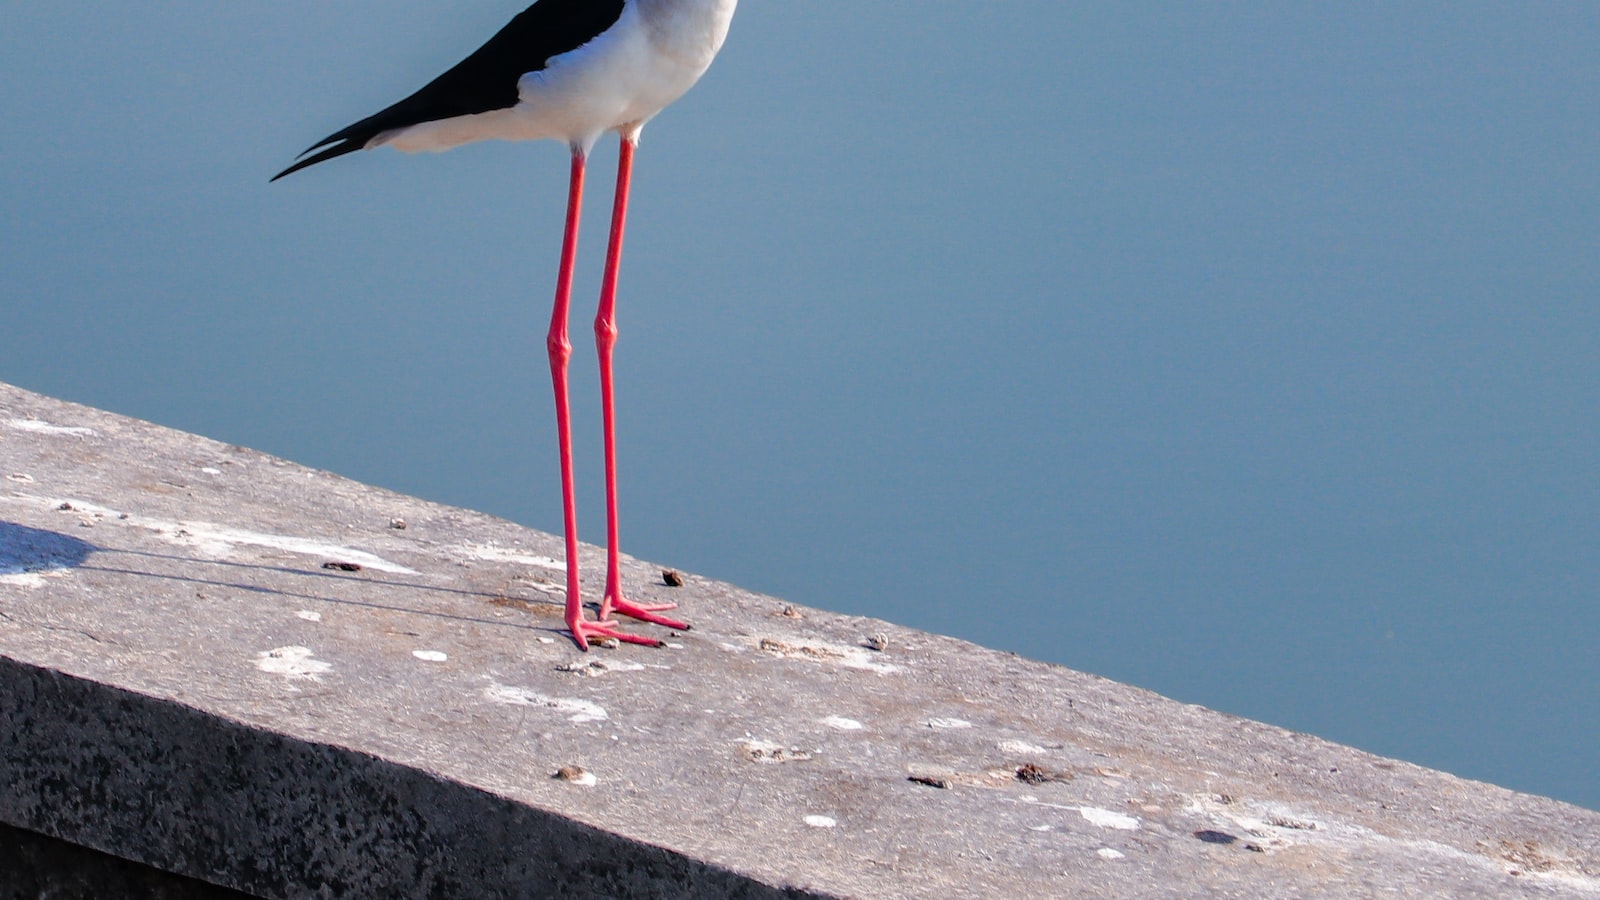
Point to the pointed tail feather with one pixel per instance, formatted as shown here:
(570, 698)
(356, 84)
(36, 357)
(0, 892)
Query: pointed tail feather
(486, 80)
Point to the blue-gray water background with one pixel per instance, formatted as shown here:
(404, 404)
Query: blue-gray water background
(1242, 351)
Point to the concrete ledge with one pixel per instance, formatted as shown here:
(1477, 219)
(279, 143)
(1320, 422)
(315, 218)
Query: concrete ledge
(237, 669)
(274, 816)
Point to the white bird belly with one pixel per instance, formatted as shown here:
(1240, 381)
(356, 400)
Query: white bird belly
(621, 78)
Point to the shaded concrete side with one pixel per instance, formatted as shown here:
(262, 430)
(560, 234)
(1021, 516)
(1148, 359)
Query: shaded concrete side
(206, 797)
(34, 866)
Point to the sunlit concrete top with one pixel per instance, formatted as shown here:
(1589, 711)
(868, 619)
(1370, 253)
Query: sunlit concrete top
(233, 667)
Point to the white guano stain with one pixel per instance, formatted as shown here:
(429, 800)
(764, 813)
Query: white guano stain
(1277, 826)
(221, 541)
(842, 724)
(949, 723)
(308, 615)
(594, 668)
(1105, 818)
(1108, 853)
(825, 652)
(218, 541)
(293, 663)
(820, 821)
(493, 553)
(430, 655)
(40, 426)
(23, 580)
(576, 711)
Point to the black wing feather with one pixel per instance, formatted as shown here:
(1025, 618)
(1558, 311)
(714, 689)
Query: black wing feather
(484, 81)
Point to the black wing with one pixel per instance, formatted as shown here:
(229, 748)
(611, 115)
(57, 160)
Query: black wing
(486, 80)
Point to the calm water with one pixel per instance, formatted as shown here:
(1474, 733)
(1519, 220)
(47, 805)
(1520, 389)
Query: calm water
(1245, 352)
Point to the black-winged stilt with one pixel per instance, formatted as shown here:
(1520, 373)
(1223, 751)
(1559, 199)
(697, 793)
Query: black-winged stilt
(569, 70)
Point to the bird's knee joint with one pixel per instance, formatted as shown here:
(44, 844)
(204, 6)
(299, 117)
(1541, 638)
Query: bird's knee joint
(559, 348)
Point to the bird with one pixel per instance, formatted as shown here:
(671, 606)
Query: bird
(568, 70)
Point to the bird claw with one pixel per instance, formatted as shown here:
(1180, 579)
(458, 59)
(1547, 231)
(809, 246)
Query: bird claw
(644, 612)
(583, 630)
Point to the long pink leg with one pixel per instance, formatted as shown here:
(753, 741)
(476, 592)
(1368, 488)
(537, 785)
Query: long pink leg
(605, 338)
(560, 350)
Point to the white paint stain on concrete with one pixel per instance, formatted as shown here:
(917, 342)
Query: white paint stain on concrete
(820, 822)
(1105, 818)
(40, 426)
(842, 724)
(292, 663)
(430, 655)
(577, 711)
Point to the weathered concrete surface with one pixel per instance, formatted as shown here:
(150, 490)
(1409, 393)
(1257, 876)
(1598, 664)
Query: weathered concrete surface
(183, 683)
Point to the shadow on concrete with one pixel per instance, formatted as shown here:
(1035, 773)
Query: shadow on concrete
(537, 607)
(24, 550)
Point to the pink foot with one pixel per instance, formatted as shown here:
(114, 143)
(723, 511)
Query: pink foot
(583, 630)
(644, 612)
